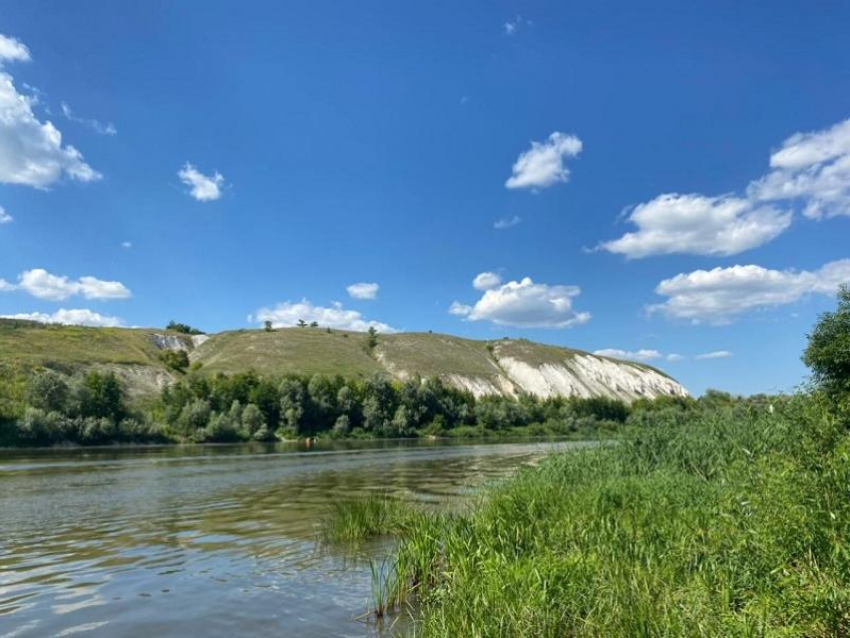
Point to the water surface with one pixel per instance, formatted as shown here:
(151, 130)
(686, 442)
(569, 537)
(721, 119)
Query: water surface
(208, 540)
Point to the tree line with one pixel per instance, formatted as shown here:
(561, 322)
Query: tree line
(47, 407)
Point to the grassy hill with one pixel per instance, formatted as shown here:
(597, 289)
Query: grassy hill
(29, 342)
(483, 367)
(289, 351)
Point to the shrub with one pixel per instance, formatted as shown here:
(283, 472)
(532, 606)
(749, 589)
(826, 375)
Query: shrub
(177, 360)
(184, 328)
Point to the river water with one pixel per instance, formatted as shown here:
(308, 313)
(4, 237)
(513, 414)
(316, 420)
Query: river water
(209, 540)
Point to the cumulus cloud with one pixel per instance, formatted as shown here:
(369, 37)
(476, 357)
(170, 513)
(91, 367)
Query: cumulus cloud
(363, 290)
(543, 164)
(486, 280)
(95, 125)
(202, 187)
(525, 304)
(73, 317)
(813, 168)
(695, 224)
(288, 314)
(31, 151)
(719, 354)
(44, 285)
(5, 217)
(507, 222)
(720, 295)
(13, 50)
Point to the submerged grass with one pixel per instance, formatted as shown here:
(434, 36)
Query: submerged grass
(351, 522)
(736, 524)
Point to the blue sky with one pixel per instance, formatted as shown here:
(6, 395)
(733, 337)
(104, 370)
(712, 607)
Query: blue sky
(675, 180)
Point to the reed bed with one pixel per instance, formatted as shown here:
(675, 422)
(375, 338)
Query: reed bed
(730, 521)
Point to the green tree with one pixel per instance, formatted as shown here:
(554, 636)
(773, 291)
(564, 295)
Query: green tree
(292, 402)
(47, 391)
(371, 338)
(183, 327)
(252, 420)
(828, 351)
(268, 326)
(302, 323)
(101, 396)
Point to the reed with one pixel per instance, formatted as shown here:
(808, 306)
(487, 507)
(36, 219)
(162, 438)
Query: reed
(734, 524)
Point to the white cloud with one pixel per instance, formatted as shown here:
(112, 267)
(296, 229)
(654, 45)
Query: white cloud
(543, 164)
(5, 286)
(673, 357)
(13, 50)
(96, 125)
(5, 217)
(695, 224)
(126, 244)
(459, 310)
(74, 317)
(507, 222)
(526, 305)
(639, 355)
(44, 285)
(809, 169)
(363, 290)
(722, 294)
(335, 316)
(813, 168)
(202, 187)
(486, 280)
(31, 151)
(719, 354)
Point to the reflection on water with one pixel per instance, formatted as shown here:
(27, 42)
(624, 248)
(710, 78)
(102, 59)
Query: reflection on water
(212, 540)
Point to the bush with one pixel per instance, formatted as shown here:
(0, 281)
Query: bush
(184, 328)
(177, 360)
(47, 391)
(828, 353)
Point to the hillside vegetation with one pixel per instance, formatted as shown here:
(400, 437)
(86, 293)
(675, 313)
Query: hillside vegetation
(96, 386)
(508, 367)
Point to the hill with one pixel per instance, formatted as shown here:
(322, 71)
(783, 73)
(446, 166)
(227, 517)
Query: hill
(507, 366)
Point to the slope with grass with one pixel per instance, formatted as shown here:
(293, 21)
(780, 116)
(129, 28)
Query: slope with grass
(507, 367)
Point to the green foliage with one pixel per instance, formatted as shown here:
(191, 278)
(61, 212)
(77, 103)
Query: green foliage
(101, 396)
(371, 338)
(828, 351)
(183, 328)
(733, 526)
(267, 326)
(177, 360)
(47, 391)
(358, 520)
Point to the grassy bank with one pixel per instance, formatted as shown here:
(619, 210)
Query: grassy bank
(728, 521)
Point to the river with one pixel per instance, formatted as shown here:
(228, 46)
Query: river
(209, 540)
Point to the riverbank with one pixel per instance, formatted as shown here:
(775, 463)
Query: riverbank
(723, 522)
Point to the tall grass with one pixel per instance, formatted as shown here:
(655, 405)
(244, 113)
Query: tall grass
(356, 520)
(736, 524)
